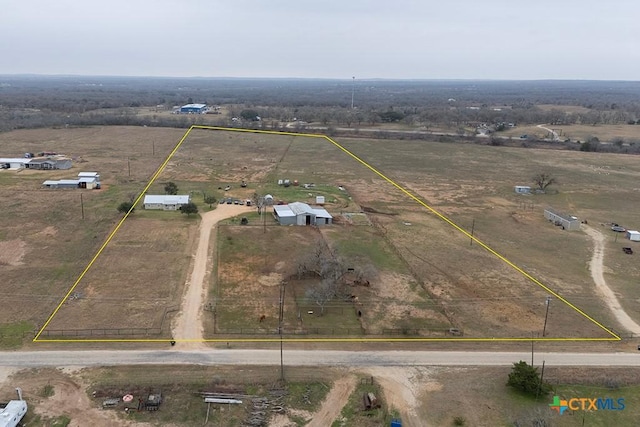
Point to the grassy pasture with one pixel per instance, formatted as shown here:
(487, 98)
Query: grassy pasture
(481, 397)
(429, 270)
(579, 132)
(43, 229)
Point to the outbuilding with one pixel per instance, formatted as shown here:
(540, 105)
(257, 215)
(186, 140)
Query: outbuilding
(633, 235)
(13, 162)
(165, 202)
(522, 189)
(299, 213)
(567, 222)
(193, 109)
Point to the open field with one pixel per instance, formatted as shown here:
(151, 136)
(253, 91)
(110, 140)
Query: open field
(604, 133)
(430, 276)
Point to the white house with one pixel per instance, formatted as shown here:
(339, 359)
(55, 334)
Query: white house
(298, 213)
(165, 202)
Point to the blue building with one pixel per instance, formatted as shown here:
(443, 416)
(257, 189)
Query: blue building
(193, 109)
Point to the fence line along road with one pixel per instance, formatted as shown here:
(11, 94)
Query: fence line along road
(79, 358)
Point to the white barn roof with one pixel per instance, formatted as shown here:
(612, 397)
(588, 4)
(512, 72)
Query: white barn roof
(166, 199)
(284, 211)
(299, 208)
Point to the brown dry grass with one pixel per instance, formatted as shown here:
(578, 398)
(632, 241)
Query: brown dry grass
(433, 267)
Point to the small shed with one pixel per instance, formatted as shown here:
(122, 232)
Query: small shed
(522, 189)
(319, 200)
(89, 179)
(633, 235)
(567, 222)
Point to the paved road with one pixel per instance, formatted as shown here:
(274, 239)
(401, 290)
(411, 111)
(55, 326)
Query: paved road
(74, 358)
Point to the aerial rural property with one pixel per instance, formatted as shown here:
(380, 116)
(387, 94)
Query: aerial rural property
(336, 214)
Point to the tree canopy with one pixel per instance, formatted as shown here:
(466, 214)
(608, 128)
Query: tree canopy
(543, 181)
(124, 207)
(525, 378)
(210, 200)
(189, 208)
(171, 188)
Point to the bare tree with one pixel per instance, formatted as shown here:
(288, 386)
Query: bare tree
(322, 293)
(543, 181)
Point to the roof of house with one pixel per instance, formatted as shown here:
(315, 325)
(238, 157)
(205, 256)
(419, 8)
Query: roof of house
(166, 199)
(88, 174)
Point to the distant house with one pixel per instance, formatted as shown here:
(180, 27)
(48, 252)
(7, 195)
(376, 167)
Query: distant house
(56, 162)
(522, 189)
(165, 202)
(567, 222)
(298, 213)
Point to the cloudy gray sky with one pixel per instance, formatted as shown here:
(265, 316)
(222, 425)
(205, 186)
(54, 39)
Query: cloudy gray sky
(406, 39)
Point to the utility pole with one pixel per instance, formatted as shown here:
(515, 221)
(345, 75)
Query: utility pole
(541, 381)
(531, 348)
(353, 90)
(546, 315)
(280, 321)
(82, 205)
(129, 165)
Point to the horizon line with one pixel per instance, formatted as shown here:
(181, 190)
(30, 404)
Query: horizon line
(340, 79)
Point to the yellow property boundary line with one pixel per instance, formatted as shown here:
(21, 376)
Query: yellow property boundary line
(613, 336)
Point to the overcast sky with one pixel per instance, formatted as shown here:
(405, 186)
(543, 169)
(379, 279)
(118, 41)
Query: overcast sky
(394, 39)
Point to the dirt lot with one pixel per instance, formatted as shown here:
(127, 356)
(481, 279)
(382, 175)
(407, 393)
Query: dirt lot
(421, 396)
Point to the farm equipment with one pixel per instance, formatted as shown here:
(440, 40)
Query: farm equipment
(153, 402)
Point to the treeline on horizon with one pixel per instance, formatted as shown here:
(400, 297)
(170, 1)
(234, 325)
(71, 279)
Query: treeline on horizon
(29, 101)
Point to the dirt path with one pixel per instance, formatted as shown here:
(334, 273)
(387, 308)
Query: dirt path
(188, 325)
(334, 402)
(554, 134)
(596, 267)
(402, 389)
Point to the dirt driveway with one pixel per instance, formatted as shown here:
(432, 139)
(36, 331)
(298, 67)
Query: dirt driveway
(187, 329)
(596, 267)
